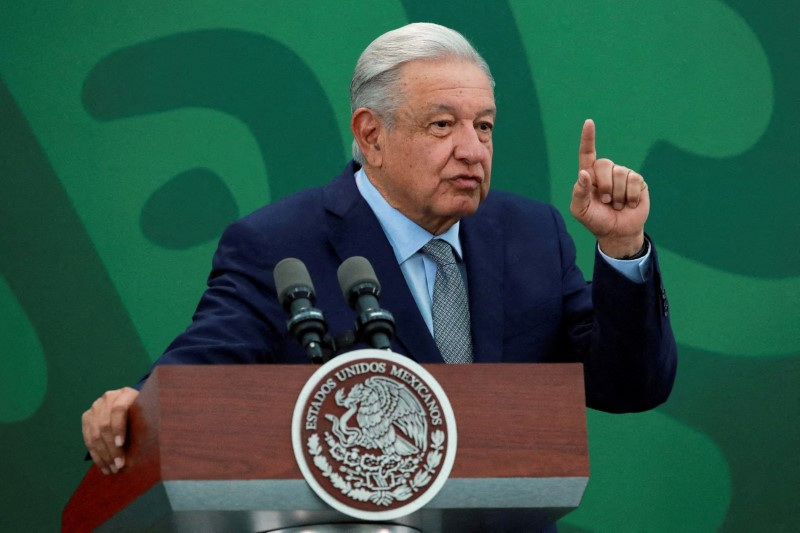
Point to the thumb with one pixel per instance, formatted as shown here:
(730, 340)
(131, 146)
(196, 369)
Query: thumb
(581, 194)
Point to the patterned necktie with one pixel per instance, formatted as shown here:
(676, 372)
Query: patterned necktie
(451, 329)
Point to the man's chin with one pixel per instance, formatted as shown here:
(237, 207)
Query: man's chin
(465, 208)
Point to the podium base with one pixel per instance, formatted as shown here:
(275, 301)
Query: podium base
(348, 528)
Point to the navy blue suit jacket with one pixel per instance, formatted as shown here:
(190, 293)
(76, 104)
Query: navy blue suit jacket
(528, 300)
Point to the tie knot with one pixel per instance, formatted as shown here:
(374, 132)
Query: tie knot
(440, 251)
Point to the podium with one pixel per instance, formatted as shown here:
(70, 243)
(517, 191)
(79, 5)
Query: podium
(210, 449)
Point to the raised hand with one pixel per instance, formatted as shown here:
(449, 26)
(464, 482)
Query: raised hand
(611, 200)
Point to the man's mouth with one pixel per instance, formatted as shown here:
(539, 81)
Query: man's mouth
(467, 181)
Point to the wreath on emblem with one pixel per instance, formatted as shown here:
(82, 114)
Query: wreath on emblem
(387, 457)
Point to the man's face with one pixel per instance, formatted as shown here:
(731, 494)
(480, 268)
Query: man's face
(435, 164)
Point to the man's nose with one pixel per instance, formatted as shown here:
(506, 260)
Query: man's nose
(468, 146)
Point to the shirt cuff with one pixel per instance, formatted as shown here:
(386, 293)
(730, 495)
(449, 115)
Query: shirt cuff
(633, 269)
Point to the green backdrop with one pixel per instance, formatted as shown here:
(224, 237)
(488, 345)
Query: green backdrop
(131, 133)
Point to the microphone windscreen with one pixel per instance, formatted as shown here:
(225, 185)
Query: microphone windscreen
(354, 271)
(288, 273)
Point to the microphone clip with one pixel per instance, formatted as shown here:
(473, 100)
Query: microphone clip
(374, 325)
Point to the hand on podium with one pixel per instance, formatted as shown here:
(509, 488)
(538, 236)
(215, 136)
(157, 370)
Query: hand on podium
(104, 425)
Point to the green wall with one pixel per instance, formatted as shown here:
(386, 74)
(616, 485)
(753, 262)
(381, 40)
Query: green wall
(131, 133)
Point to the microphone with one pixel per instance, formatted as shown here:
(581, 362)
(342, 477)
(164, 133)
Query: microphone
(360, 288)
(296, 294)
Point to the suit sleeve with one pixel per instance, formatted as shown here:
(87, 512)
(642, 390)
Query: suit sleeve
(238, 319)
(623, 336)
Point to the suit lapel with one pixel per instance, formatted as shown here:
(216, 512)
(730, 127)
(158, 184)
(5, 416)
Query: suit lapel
(353, 229)
(483, 254)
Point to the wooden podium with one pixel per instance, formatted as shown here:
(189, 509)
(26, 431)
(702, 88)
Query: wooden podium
(211, 450)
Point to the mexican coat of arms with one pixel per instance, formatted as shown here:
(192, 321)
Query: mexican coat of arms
(374, 435)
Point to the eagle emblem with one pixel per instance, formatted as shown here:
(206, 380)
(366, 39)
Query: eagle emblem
(389, 418)
(374, 436)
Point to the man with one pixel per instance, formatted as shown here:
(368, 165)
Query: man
(423, 112)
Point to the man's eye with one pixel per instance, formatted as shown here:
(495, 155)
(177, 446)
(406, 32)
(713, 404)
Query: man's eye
(486, 126)
(441, 124)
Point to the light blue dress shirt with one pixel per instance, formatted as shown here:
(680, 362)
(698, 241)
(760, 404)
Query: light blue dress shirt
(406, 238)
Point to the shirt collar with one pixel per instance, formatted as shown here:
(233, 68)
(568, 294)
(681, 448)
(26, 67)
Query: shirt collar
(405, 235)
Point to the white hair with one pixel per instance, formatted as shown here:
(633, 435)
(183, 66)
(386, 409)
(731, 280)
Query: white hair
(377, 72)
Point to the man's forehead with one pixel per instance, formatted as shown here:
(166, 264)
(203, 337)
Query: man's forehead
(444, 75)
(438, 107)
(444, 70)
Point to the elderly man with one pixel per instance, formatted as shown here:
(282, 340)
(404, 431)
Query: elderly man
(416, 203)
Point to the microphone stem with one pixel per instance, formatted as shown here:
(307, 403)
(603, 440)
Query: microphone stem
(314, 351)
(380, 341)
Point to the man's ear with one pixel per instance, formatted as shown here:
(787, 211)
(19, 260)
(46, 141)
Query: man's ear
(367, 129)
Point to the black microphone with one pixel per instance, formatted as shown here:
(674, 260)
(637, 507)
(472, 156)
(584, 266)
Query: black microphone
(296, 294)
(361, 290)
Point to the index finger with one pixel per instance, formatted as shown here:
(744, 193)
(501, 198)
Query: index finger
(587, 154)
(119, 414)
